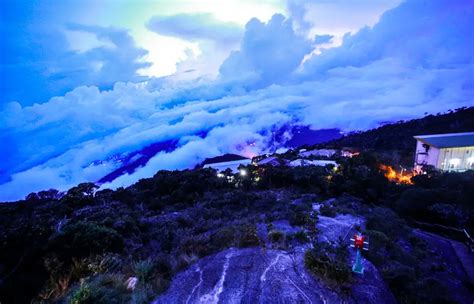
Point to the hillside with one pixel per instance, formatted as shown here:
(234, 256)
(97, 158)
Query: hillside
(281, 233)
(398, 137)
(276, 233)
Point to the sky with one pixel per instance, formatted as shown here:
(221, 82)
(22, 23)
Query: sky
(85, 82)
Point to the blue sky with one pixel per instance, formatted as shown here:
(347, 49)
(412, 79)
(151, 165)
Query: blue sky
(83, 81)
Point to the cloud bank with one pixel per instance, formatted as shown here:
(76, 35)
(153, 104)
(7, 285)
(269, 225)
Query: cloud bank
(43, 62)
(416, 59)
(195, 27)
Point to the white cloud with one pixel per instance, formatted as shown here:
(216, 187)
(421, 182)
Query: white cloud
(388, 72)
(195, 27)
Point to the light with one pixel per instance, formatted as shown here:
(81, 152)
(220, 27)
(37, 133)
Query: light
(220, 175)
(243, 172)
(398, 177)
(454, 162)
(470, 160)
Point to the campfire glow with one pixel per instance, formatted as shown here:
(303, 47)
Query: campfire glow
(397, 177)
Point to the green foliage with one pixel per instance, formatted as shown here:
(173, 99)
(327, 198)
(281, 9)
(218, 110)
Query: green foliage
(330, 263)
(101, 289)
(82, 295)
(327, 210)
(143, 294)
(300, 236)
(276, 236)
(386, 221)
(248, 236)
(310, 178)
(225, 237)
(300, 214)
(184, 215)
(397, 138)
(144, 270)
(80, 195)
(84, 238)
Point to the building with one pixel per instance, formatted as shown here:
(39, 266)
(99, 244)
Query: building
(447, 152)
(269, 161)
(306, 162)
(318, 152)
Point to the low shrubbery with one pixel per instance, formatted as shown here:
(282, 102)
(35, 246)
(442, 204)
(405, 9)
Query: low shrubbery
(101, 289)
(329, 262)
(401, 257)
(169, 221)
(276, 236)
(85, 238)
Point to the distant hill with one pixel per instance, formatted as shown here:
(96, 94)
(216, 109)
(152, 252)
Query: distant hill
(303, 135)
(223, 158)
(137, 159)
(398, 137)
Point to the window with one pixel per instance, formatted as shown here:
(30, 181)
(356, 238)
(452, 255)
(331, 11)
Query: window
(454, 163)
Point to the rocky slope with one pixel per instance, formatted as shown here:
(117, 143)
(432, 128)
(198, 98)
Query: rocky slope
(260, 275)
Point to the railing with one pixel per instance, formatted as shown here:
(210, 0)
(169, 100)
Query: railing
(461, 235)
(447, 231)
(469, 241)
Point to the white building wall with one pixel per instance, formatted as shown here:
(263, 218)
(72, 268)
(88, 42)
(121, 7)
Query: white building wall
(456, 159)
(318, 152)
(446, 159)
(425, 156)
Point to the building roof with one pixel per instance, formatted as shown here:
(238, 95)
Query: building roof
(318, 152)
(450, 140)
(305, 162)
(269, 160)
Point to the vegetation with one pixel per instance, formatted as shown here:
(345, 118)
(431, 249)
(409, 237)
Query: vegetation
(330, 263)
(81, 247)
(396, 140)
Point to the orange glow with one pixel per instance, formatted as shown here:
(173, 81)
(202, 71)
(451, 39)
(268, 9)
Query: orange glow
(397, 177)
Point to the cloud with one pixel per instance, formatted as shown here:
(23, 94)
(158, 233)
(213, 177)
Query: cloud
(202, 26)
(268, 54)
(215, 40)
(415, 60)
(36, 55)
(320, 39)
(426, 36)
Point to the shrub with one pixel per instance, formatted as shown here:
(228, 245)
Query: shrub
(143, 270)
(329, 263)
(80, 195)
(386, 221)
(327, 210)
(248, 236)
(224, 237)
(143, 294)
(300, 214)
(82, 295)
(85, 238)
(276, 236)
(101, 289)
(107, 262)
(415, 201)
(300, 236)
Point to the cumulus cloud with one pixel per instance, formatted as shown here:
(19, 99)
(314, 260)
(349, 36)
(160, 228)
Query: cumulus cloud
(195, 27)
(268, 54)
(42, 61)
(215, 40)
(432, 35)
(320, 39)
(376, 75)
